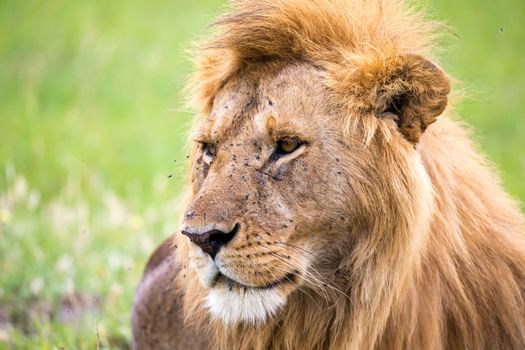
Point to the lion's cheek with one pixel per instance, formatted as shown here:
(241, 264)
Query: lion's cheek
(203, 266)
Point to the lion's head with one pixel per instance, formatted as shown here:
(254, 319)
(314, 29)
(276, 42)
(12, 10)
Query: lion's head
(299, 162)
(269, 190)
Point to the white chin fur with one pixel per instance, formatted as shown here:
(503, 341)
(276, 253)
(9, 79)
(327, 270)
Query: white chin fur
(238, 305)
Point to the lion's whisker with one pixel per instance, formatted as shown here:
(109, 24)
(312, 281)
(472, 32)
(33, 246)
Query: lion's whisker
(309, 278)
(296, 247)
(321, 282)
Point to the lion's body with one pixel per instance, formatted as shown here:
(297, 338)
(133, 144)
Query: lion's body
(406, 239)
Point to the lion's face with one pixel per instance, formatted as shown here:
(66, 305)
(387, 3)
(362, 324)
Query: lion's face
(269, 192)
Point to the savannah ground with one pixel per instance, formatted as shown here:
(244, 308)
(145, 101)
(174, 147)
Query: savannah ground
(93, 147)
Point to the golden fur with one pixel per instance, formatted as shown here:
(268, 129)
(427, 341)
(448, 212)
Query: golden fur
(387, 229)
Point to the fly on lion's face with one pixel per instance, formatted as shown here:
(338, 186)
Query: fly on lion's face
(251, 249)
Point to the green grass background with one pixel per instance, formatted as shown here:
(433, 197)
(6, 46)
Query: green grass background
(92, 123)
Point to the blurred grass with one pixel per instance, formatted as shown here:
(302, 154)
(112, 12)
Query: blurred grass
(488, 56)
(91, 121)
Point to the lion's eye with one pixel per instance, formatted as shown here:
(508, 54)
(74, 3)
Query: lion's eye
(210, 149)
(287, 146)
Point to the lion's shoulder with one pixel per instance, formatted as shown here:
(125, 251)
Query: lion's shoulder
(157, 317)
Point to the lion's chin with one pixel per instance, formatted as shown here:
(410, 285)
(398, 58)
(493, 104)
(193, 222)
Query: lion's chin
(237, 304)
(233, 302)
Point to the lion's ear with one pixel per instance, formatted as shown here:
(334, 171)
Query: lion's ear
(409, 88)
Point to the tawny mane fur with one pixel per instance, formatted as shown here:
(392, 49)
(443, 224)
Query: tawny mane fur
(422, 249)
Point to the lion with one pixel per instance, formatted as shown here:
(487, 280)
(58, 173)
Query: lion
(334, 202)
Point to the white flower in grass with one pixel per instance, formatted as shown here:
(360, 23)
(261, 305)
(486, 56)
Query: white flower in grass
(20, 188)
(33, 200)
(116, 210)
(114, 261)
(65, 264)
(116, 289)
(36, 285)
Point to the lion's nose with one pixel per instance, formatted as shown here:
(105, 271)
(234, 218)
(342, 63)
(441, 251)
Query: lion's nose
(211, 241)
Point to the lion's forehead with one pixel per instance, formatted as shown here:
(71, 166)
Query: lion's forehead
(292, 93)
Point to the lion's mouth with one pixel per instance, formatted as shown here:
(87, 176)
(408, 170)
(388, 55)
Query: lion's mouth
(231, 283)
